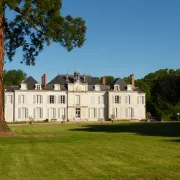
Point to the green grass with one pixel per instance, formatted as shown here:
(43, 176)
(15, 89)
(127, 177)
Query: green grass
(92, 151)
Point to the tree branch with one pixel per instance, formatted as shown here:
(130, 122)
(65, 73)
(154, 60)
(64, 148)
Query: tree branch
(17, 9)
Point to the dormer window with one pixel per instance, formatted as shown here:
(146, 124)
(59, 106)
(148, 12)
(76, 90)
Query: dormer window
(129, 87)
(97, 88)
(116, 88)
(23, 86)
(37, 87)
(56, 87)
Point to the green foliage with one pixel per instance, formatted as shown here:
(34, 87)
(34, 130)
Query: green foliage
(13, 77)
(37, 23)
(162, 90)
(109, 80)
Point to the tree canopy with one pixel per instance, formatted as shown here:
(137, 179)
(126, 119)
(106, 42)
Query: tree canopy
(14, 77)
(162, 90)
(39, 22)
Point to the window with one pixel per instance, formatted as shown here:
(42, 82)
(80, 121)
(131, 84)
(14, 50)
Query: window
(77, 99)
(38, 99)
(56, 87)
(62, 99)
(23, 113)
(38, 87)
(117, 99)
(21, 99)
(141, 99)
(51, 99)
(100, 99)
(78, 113)
(116, 87)
(61, 113)
(38, 113)
(130, 112)
(128, 99)
(9, 99)
(52, 113)
(114, 112)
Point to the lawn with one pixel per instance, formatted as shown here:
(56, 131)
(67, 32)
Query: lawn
(92, 151)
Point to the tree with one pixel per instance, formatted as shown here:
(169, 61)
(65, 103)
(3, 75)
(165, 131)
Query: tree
(13, 77)
(109, 80)
(35, 24)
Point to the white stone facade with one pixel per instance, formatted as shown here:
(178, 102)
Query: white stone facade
(73, 101)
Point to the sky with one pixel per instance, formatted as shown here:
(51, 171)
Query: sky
(123, 37)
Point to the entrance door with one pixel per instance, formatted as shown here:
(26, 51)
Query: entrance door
(78, 113)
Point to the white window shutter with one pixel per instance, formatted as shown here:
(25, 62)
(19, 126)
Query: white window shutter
(126, 100)
(54, 99)
(138, 99)
(34, 113)
(19, 112)
(119, 99)
(41, 99)
(113, 100)
(126, 112)
(23, 99)
(132, 112)
(19, 99)
(54, 112)
(47, 112)
(41, 115)
(59, 99)
(34, 99)
(26, 112)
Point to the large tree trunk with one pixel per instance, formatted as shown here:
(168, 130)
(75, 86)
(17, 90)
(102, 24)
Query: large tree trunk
(3, 125)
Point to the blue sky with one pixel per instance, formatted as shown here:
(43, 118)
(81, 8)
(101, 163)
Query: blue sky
(123, 36)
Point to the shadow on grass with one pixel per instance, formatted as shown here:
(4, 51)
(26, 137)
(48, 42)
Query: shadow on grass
(147, 129)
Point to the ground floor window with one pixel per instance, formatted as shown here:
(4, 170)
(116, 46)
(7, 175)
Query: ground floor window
(96, 113)
(38, 113)
(114, 112)
(78, 113)
(52, 113)
(61, 113)
(23, 113)
(130, 112)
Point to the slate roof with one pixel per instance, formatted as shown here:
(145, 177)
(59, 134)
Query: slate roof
(123, 85)
(30, 81)
(61, 79)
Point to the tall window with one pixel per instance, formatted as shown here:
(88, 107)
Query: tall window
(114, 112)
(23, 113)
(100, 99)
(62, 99)
(38, 113)
(128, 99)
(9, 99)
(92, 100)
(117, 99)
(77, 99)
(52, 113)
(130, 112)
(38, 99)
(21, 99)
(61, 113)
(51, 99)
(141, 100)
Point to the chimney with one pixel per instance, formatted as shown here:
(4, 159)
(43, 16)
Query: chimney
(104, 80)
(44, 80)
(67, 78)
(132, 80)
(84, 78)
